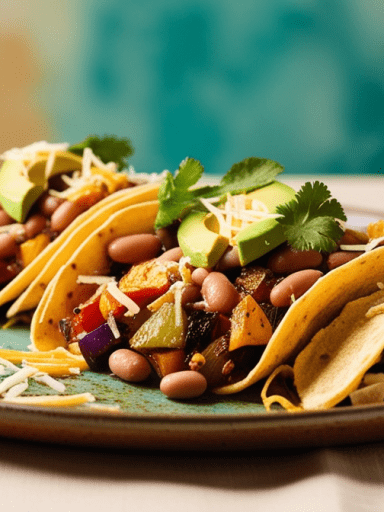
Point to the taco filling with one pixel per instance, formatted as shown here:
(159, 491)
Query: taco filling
(205, 294)
(45, 187)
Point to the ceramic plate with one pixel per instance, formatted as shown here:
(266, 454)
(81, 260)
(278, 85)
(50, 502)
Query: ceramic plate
(148, 420)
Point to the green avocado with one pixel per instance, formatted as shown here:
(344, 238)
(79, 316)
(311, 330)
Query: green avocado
(199, 238)
(261, 237)
(22, 184)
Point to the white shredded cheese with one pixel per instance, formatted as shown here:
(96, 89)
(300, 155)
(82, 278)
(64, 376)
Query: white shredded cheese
(46, 379)
(113, 326)
(237, 212)
(9, 365)
(29, 152)
(131, 306)
(374, 243)
(16, 390)
(353, 248)
(103, 407)
(83, 279)
(16, 378)
(178, 288)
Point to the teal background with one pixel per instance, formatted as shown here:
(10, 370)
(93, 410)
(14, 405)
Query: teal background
(297, 81)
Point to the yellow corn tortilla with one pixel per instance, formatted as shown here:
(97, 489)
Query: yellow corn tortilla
(314, 310)
(333, 364)
(63, 293)
(28, 286)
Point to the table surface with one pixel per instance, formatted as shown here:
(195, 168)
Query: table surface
(41, 478)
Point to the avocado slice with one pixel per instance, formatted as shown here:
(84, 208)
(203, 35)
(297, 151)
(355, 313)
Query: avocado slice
(199, 238)
(261, 237)
(20, 187)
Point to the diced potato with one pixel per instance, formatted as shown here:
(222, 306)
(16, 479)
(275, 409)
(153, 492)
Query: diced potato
(249, 325)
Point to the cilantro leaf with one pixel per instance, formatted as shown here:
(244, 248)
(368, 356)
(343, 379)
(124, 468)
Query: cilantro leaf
(176, 198)
(245, 176)
(249, 174)
(174, 194)
(310, 221)
(107, 148)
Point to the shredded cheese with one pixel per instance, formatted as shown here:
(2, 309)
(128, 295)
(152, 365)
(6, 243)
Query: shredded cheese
(237, 212)
(113, 325)
(16, 390)
(83, 279)
(117, 294)
(53, 400)
(16, 378)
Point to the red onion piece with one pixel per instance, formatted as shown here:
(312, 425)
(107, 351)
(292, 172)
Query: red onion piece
(96, 347)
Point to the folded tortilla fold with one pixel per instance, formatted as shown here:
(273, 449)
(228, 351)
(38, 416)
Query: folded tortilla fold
(333, 364)
(90, 258)
(28, 286)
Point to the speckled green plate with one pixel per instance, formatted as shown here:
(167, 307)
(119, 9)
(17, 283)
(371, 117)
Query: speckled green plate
(148, 420)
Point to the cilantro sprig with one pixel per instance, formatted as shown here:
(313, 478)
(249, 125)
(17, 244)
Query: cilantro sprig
(108, 148)
(310, 221)
(177, 197)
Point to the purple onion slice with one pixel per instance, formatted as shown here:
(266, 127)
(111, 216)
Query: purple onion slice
(96, 347)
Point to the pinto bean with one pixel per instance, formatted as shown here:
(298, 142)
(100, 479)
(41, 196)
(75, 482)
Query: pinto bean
(65, 214)
(47, 204)
(230, 259)
(168, 236)
(35, 225)
(287, 260)
(295, 285)
(219, 293)
(191, 293)
(183, 385)
(338, 258)
(8, 246)
(5, 219)
(134, 248)
(174, 254)
(129, 365)
(199, 274)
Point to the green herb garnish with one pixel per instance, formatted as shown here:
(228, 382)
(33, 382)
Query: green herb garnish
(176, 197)
(310, 220)
(107, 148)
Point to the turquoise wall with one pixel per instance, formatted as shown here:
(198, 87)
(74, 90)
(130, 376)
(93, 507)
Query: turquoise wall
(301, 82)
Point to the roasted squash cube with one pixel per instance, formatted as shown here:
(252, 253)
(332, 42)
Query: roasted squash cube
(249, 325)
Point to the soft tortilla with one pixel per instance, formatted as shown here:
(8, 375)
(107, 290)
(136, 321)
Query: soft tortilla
(333, 364)
(314, 310)
(63, 293)
(28, 286)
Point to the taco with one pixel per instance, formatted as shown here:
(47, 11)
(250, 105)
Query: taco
(209, 301)
(341, 356)
(51, 198)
